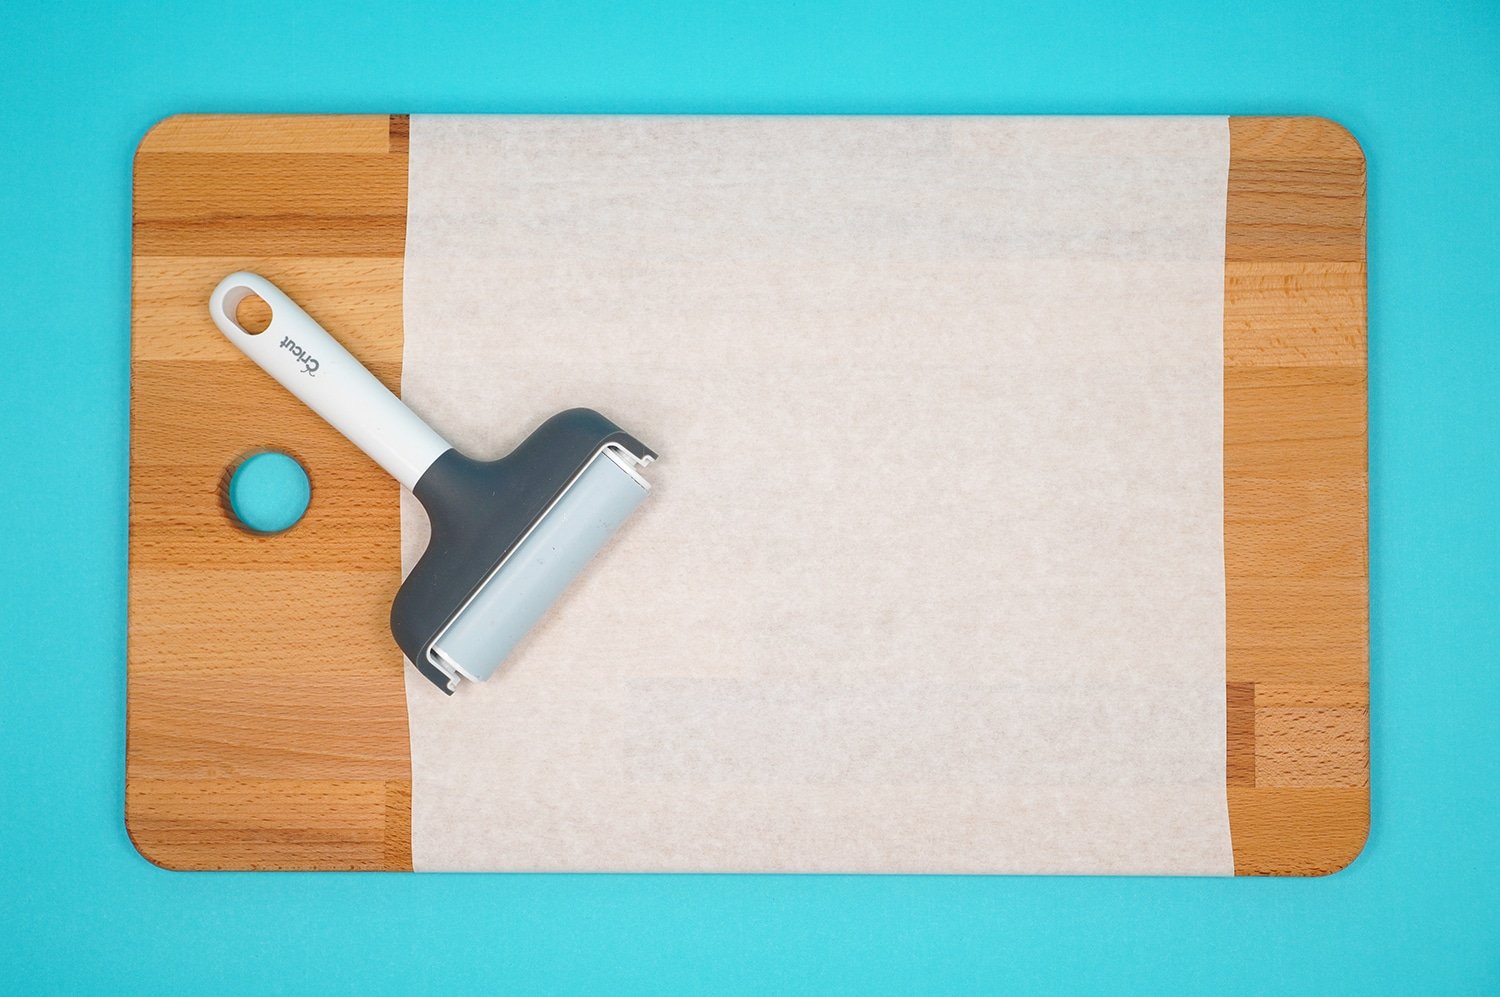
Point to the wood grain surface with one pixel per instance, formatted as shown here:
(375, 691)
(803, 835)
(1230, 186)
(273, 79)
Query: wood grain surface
(266, 708)
(1296, 560)
(267, 711)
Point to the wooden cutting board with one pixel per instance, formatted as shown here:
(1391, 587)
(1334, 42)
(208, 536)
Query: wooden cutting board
(267, 712)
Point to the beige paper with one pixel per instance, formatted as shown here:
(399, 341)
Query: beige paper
(932, 576)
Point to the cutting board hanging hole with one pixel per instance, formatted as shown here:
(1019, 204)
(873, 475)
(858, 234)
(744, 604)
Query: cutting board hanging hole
(265, 492)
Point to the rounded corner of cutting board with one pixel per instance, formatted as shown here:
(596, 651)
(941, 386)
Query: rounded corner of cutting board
(1299, 832)
(157, 852)
(1303, 136)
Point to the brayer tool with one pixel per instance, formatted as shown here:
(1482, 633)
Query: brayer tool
(508, 535)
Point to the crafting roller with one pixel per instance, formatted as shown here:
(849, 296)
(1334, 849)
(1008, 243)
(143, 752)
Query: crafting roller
(507, 535)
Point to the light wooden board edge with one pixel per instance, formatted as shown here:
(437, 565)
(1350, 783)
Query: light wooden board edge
(1295, 497)
(301, 759)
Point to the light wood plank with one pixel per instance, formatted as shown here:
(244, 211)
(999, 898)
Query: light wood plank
(171, 310)
(269, 824)
(1297, 831)
(329, 620)
(1280, 313)
(278, 134)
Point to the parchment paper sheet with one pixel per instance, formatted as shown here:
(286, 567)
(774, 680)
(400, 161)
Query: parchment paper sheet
(932, 576)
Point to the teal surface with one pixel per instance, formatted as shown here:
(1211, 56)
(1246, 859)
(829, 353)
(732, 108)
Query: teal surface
(1418, 83)
(269, 491)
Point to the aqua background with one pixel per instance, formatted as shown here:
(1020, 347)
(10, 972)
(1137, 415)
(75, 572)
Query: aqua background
(1417, 83)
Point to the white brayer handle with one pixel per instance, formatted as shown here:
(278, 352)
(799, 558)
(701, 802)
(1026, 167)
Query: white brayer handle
(310, 363)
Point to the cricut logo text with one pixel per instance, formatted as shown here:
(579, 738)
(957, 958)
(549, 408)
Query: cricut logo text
(309, 365)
